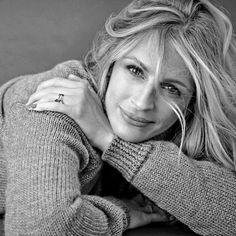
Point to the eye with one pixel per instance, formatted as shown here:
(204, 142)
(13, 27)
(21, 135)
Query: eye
(136, 71)
(171, 89)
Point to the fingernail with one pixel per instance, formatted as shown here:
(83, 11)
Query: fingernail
(171, 218)
(32, 106)
(72, 76)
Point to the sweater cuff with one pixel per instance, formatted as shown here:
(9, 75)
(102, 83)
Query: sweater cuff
(126, 157)
(121, 204)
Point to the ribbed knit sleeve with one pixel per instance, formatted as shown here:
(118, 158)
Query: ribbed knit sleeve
(50, 172)
(200, 194)
(3, 179)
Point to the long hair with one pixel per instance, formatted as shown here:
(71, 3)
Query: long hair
(202, 35)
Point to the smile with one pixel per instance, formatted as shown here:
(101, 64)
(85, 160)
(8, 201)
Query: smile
(134, 120)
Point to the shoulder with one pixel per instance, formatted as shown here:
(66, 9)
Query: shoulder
(15, 93)
(16, 119)
(23, 128)
(19, 89)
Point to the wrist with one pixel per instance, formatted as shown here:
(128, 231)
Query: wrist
(106, 141)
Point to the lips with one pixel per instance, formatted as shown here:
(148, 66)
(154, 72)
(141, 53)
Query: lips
(135, 120)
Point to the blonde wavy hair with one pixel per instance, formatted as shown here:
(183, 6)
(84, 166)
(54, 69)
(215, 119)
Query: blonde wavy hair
(202, 35)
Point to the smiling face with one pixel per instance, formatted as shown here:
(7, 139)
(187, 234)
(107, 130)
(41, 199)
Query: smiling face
(137, 97)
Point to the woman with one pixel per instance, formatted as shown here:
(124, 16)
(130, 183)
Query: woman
(152, 108)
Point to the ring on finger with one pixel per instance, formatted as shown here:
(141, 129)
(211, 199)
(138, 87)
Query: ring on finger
(60, 98)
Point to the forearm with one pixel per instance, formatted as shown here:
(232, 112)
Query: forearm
(46, 189)
(3, 181)
(198, 193)
(60, 213)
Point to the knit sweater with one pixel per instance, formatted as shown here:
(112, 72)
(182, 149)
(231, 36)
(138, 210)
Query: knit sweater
(51, 175)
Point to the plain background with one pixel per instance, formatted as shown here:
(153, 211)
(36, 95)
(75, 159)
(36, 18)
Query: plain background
(37, 34)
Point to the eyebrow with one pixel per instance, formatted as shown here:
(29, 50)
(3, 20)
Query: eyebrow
(139, 62)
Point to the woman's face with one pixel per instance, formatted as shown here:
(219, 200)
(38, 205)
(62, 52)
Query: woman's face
(137, 99)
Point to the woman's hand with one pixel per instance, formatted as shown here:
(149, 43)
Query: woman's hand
(80, 102)
(143, 212)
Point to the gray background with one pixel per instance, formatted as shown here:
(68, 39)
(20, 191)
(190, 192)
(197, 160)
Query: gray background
(37, 34)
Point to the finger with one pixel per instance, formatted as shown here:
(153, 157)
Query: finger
(145, 219)
(148, 209)
(47, 98)
(74, 77)
(66, 100)
(156, 209)
(49, 106)
(172, 220)
(83, 82)
(52, 92)
(139, 199)
(61, 82)
(51, 97)
(156, 217)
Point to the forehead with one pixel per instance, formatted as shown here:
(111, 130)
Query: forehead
(174, 63)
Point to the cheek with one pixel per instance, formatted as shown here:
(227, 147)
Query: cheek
(117, 91)
(165, 116)
(113, 96)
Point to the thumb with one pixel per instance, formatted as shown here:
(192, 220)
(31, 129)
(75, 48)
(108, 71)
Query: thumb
(157, 217)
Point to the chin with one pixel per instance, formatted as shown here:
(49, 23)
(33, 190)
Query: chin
(130, 136)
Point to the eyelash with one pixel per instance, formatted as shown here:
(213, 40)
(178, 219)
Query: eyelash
(138, 72)
(135, 70)
(170, 88)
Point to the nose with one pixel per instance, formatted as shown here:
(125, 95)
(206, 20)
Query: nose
(144, 98)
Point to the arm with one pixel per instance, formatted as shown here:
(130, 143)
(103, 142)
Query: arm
(200, 194)
(49, 171)
(3, 179)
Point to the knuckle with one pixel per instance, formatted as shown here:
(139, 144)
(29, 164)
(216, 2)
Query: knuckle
(86, 82)
(42, 84)
(84, 85)
(45, 83)
(54, 81)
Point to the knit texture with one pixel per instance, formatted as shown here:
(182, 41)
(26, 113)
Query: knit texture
(50, 174)
(3, 179)
(51, 177)
(200, 194)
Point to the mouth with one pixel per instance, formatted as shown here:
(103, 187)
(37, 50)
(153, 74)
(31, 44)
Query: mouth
(135, 120)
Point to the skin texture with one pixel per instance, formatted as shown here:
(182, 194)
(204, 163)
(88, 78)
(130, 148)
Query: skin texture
(137, 91)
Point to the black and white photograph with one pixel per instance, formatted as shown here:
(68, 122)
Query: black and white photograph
(117, 117)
